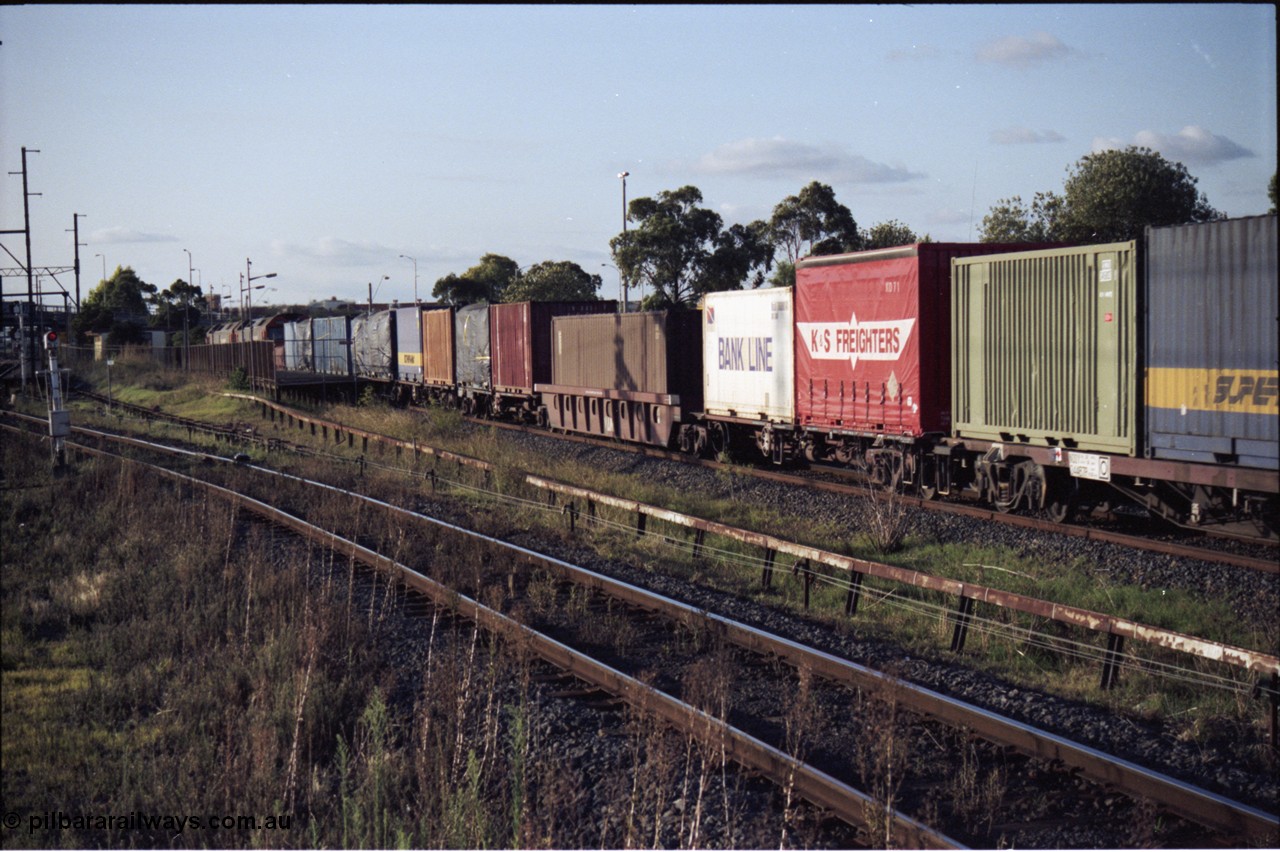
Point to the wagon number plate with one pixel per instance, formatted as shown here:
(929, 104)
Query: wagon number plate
(1088, 466)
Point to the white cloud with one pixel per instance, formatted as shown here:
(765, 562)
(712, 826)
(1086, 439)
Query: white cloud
(1192, 145)
(1023, 51)
(128, 235)
(783, 158)
(336, 251)
(1025, 136)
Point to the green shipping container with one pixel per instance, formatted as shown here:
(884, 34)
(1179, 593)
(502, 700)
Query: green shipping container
(1045, 348)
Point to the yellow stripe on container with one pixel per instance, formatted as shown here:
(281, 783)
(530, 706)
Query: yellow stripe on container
(1239, 391)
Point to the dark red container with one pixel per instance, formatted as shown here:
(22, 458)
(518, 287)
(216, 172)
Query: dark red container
(873, 339)
(520, 340)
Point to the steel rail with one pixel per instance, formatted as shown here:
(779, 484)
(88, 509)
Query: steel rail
(845, 802)
(1183, 798)
(1271, 566)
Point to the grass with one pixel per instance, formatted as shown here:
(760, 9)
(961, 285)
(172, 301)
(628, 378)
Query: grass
(922, 626)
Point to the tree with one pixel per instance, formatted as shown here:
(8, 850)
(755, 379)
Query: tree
(484, 282)
(1108, 196)
(171, 303)
(1113, 195)
(742, 253)
(671, 248)
(813, 218)
(1011, 222)
(888, 234)
(116, 305)
(1271, 193)
(553, 281)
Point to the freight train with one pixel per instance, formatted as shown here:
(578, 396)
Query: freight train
(1039, 378)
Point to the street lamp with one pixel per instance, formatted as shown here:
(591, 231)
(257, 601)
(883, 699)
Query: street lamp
(246, 287)
(104, 265)
(415, 278)
(371, 290)
(619, 271)
(186, 317)
(623, 176)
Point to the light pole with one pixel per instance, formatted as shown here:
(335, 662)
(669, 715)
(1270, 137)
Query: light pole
(619, 271)
(371, 291)
(415, 278)
(248, 288)
(104, 265)
(623, 176)
(186, 317)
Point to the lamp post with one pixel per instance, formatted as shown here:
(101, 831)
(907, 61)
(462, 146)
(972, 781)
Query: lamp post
(248, 288)
(619, 271)
(623, 176)
(415, 278)
(186, 317)
(104, 265)
(371, 291)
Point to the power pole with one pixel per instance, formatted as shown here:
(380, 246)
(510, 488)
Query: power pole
(75, 229)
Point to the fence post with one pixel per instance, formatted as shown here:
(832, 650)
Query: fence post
(855, 592)
(766, 577)
(963, 614)
(1111, 662)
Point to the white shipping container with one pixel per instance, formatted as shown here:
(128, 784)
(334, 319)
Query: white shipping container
(747, 355)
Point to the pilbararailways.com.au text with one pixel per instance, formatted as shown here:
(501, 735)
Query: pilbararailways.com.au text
(136, 821)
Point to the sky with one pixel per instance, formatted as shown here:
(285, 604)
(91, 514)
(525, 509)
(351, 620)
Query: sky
(329, 144)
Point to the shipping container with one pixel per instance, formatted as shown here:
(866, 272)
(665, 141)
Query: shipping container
(297, 345)
(654, 352)
(520, 340)
(471, 349)
(1045, 348)
(331, 345)
(873, 339)
(408, 325)
(627, 376)
(748, 354)
(437, 347)
(373, 345)
(1211, 366)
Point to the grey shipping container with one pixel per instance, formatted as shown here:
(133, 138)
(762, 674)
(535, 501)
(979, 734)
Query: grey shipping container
(297, 345)
(331, 345)
(471, 348)
(1211, 366)
(373, 345)
(1044, 348)
(409, 345)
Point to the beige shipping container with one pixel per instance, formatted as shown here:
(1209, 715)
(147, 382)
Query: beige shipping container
(1045, 347)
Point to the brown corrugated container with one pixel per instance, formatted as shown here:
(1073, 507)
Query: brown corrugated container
(437, 347)
(657, 352)
(520, 340)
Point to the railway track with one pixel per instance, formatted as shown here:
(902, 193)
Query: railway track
(822, 481)
(1054, 760)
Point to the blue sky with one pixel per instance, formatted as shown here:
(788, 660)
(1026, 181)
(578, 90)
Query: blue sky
(324, 142)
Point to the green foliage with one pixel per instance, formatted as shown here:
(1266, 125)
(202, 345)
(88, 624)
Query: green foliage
(1109, 196)
(118, 303)
(678, 248)
(484, 282)
(813, 218)
(553, 281)
(889, 234)
(239, 380)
